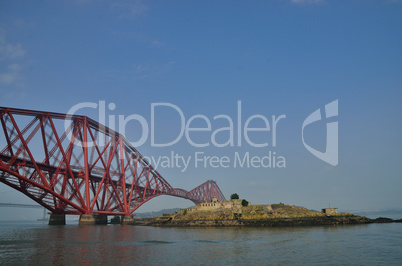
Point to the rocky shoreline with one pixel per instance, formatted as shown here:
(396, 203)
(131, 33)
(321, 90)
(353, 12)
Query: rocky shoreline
(233, 213)
(271, 222)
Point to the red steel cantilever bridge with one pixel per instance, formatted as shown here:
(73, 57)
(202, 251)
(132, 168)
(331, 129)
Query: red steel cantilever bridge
(71, 164)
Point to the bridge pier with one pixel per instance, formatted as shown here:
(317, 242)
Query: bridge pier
(57, 219)
(92, 219)
(127, 220)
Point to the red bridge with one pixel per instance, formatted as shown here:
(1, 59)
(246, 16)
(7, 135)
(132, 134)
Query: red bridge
(71, 164)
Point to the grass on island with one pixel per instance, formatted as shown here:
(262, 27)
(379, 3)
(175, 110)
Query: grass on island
(252, 212)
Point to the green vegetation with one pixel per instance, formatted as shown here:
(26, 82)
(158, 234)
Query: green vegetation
(250, 212)
(234, 196)
(277, 211)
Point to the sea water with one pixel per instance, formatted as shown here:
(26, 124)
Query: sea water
(36, 243)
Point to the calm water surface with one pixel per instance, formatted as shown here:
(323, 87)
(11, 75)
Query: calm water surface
(37, 243)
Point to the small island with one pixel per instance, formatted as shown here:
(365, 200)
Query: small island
(239, 212)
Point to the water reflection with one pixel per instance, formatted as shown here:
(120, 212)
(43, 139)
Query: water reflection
(111, 244)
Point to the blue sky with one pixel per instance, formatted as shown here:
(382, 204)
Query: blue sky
(277, 57)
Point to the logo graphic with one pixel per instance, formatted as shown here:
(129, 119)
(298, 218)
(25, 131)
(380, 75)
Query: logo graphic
(331, 151)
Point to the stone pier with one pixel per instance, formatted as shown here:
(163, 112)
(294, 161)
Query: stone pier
(92, 219)
(57, 219)
(127, 219)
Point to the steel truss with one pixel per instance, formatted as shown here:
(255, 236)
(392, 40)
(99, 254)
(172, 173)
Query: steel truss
(73, 165)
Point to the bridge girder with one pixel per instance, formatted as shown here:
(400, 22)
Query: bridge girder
(72, 164)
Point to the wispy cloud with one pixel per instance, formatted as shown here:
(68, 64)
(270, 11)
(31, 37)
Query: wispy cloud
(10, 56)
(9, 77)
(11, 51)
(129, 8)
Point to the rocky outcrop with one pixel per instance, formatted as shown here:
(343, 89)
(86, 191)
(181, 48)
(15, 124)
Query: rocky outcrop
(274, 222)
(272, 215)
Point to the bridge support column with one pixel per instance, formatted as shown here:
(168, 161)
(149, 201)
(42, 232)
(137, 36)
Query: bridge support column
(127, 220)
(57, 219)
(91, 219)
